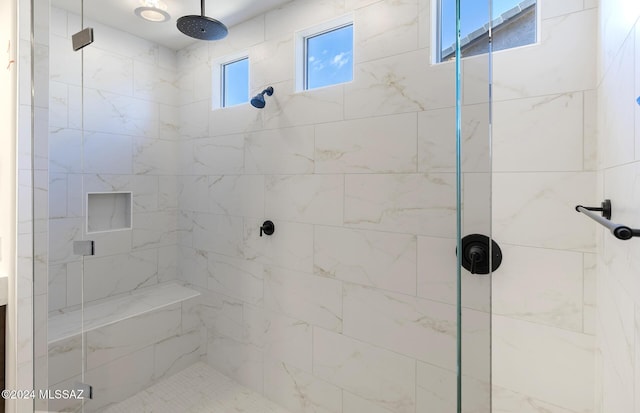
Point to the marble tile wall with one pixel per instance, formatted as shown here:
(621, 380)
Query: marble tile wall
(544, 163)
(349, 306)
(129, 144)
(125, 357)
(616, 271)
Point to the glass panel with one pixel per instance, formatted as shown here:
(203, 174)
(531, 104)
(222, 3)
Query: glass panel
(473, 111)
(235, 82)
(66, 217)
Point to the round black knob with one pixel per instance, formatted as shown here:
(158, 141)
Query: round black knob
(475, 254)
(267, 227)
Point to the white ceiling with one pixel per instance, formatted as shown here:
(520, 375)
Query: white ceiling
(119, 14)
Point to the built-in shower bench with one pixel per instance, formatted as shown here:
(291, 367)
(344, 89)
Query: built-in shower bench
(112, 310)
(122, 344)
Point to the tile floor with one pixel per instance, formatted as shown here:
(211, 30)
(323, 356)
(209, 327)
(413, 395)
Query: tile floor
(196, 389)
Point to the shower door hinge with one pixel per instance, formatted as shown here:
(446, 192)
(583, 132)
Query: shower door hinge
(81, 39)
(83, 248)
(84, 390)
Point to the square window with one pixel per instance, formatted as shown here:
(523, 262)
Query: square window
(324, 54)
(513, 23)
(329, 58)
(235, 82)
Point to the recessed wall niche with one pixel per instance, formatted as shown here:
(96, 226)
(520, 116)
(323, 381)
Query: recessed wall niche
(110, 211)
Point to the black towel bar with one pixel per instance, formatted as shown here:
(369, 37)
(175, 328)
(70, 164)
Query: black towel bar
(622, 232)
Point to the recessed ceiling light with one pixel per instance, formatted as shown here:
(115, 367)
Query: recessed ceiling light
(153, 11)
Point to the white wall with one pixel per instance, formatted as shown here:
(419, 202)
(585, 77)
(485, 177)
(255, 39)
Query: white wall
(618, 315)
(361, 262)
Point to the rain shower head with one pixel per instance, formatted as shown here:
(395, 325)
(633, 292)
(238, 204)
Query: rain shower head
(258, 100)
(202, 27)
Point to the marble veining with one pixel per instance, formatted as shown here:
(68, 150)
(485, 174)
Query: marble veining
(68, 324)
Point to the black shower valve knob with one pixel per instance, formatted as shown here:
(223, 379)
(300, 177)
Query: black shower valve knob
(267, 227)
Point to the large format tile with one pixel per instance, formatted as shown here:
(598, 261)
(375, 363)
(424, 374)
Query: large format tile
(290, 246)
(524, 131)
(356, 404)
(538, 209)
(437, 391)
(288, 108)
(316, 300)
(281, 338)
(280, 151)
(437, 139)
(107, 71)
(528, 352)
(299, 390)
(236, 277)
(385, 29)
(414, 327)
(238, 360)
(540, 285)
(115, 274)
(554, 70)
(112, 113)
(155, 83)
(378, 259)
(314, 199)
(407, 203)
(384, 145)
(127, 336)
(616, 119)
(135, 373)
(377, 375)
(237, 195)
(176, 353)
(399, 84)
(218, 233)
(219, 155)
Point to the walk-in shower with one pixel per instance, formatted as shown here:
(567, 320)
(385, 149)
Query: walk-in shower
(303, 258)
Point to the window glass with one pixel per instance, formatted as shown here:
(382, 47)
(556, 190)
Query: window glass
(329, 57)
(513, 21)
(235, 82)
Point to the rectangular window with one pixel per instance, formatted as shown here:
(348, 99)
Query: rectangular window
(324, 54)
(235, 82)
(513, 22)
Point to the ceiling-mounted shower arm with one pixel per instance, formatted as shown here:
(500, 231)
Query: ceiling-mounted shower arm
(202, 27)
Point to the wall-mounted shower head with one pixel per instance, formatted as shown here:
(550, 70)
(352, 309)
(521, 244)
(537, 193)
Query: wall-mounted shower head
(202, 27)
(258, 100)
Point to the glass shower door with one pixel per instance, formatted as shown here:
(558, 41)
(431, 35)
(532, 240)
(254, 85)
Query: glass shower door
(480, 254)
(68, 247)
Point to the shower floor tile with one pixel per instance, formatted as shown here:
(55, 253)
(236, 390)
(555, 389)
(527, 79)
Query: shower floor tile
(197, 389)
